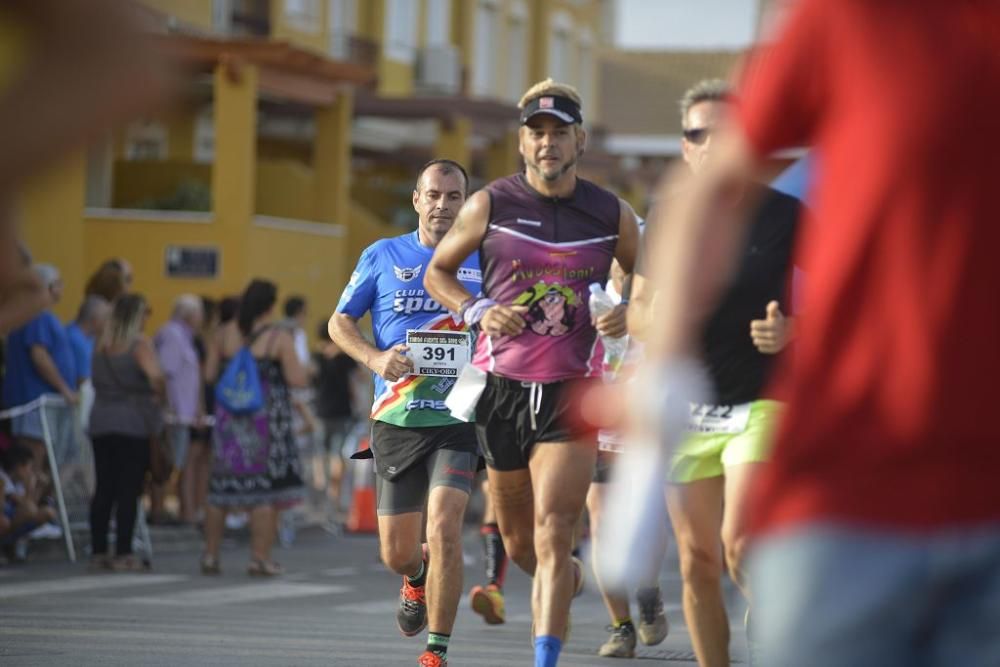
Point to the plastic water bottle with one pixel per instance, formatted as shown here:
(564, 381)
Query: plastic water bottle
(614, 348)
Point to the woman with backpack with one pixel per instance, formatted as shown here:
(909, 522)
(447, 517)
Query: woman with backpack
(255, 464)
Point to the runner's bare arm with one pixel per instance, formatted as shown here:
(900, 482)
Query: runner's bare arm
(628, 237)
(614, 324)
(639, 308)
(391, 364)
(441, 277)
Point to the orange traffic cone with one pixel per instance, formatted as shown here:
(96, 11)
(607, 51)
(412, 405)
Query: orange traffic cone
(362, 517)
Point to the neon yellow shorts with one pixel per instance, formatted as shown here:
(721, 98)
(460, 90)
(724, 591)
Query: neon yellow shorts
(704, 455)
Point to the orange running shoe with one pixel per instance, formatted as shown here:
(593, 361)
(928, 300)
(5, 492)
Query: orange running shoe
(431, 659)
(488, 603)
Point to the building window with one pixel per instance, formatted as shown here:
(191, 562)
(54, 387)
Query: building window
(204, 137)
(517, 54)
(401, 18)
(438, 22)
(343, 22)
(304, 15)
(222, 16)
(560, 39)
(484, 78)
(146, 140)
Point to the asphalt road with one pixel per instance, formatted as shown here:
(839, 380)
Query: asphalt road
(334, 606)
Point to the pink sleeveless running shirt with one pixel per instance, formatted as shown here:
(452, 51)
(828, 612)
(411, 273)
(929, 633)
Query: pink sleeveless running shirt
(543, 252)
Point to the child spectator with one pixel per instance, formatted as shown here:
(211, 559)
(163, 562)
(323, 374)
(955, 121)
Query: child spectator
(23, 513)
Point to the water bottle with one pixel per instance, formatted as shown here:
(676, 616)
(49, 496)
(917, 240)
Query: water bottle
(614, 348)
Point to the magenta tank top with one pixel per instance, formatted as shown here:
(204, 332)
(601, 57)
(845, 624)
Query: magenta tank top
(543, 253)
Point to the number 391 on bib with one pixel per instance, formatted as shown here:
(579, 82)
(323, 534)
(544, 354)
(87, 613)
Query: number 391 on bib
(439, 353)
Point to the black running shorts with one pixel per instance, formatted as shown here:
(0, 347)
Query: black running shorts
(513, 416)
(450, 461)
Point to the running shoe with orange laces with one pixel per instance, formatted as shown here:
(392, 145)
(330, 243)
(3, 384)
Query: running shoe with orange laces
(412, 613)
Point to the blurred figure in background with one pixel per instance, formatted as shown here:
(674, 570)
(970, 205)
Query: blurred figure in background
(24, 510)
(22, 293)
(732, 432)
(336, 374)
(296, 313)
(200, 451)
(39, 362)
(129, 388)
(876, 524)
(178, 358)
(304, 423)
(256, 464)
(228, 310)
(111, 279)
(488, 600)
(71, 85)
(82, 333)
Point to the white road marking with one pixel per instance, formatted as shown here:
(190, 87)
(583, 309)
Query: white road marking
(371, 607)
(252, 592)
(91, 583)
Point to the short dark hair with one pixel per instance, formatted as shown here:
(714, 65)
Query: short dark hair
(294, 305)
(446, 166)
(209, 307)
(16, 455)
(228, 308)
(258, 298)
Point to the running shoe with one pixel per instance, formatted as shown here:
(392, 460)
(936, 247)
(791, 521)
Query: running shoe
(621, 643)
(653, 626)
(47, 531)
(431, 659)
(488, 603)
(412, 613)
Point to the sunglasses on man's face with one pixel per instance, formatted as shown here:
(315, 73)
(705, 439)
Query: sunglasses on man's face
(697, 135)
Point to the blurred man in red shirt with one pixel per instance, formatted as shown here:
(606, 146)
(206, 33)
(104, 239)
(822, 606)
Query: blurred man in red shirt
(877, 524)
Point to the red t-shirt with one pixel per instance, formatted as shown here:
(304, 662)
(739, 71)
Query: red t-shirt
(894, 395)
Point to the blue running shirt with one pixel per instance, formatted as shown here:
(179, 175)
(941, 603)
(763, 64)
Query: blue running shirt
(389, 282)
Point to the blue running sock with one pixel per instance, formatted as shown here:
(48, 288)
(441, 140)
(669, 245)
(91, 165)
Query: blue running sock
(547, 650)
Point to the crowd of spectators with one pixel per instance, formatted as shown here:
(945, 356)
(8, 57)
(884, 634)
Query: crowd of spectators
(110, 394)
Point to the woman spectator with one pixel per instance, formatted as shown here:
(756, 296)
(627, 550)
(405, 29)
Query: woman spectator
(112, 279)
(200, 454)
(255, 461)
(128, 387)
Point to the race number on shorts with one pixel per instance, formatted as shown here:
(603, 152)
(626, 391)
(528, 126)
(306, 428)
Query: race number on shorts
(438, 353)
(718, 418)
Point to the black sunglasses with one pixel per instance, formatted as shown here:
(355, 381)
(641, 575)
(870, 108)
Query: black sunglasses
(697, 135)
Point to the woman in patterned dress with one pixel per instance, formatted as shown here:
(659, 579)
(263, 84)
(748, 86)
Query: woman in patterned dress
(255, 464)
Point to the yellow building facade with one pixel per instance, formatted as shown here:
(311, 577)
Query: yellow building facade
(257, 160)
